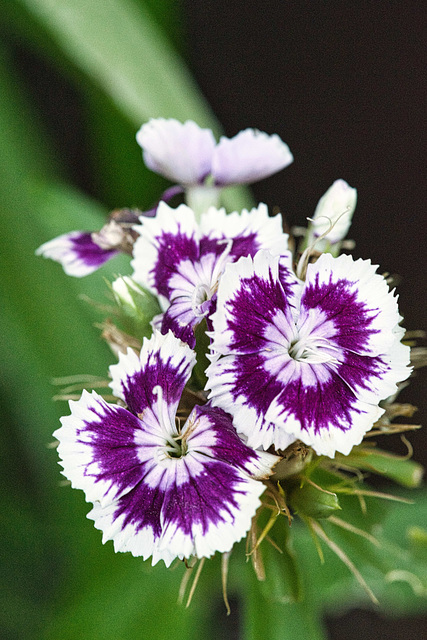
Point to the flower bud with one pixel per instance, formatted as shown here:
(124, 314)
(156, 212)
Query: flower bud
(309, 501)
(137, 306)
(126, 293)
(335, 207)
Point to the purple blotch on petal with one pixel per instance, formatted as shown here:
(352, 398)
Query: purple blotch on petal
(138, 388)
(111, 439)
(251, 310)
(141, 508)
(338, 301)
(172, 249)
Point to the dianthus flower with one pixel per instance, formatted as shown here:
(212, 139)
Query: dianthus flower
(160, 488)
(182, 261)
(82, 252)
(333, 215)
(305, 360)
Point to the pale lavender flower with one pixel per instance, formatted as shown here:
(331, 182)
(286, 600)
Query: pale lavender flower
(160, 488)
(186, 154)
(308, 361)
(182, 261)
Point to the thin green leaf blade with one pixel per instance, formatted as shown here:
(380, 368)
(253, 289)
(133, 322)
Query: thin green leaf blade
(120, 47)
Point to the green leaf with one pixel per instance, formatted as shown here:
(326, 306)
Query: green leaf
(119, 173)
(121, 48)
(398, 468)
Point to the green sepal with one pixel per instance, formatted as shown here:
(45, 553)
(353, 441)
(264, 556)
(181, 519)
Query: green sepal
(310, 501)
(398, 468)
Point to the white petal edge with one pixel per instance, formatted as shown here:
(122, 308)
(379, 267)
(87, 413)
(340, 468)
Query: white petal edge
(173, 543)
(216, 223)
(249, 156)
(76, 453)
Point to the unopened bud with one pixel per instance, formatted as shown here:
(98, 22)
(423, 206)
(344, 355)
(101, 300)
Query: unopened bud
(335, 210)
(138, 306)
(310, 501)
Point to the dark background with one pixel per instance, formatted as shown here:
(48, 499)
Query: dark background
(343, 84)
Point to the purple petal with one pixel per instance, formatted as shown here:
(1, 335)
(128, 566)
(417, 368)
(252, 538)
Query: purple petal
(248, 157)
(180, 152)
(228, 447)
(249, 297)
(163, 366)
(78, 254)
(97, 446)
(164, 242)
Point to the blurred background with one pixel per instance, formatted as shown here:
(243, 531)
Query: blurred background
(344, 85)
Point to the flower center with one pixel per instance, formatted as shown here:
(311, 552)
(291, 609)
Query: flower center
(201, 293)
(310, 349)
(176, 446)
(207, 288)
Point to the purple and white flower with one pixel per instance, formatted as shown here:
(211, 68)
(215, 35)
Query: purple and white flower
(82, 252)
(77, 252)
(182, 261)
(186, 154)
(160, 488)
(308, 361)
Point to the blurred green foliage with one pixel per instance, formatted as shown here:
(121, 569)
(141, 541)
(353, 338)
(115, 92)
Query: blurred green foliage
(58, 581)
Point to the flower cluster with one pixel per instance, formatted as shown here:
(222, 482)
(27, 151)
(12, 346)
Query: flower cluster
(254, 350)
